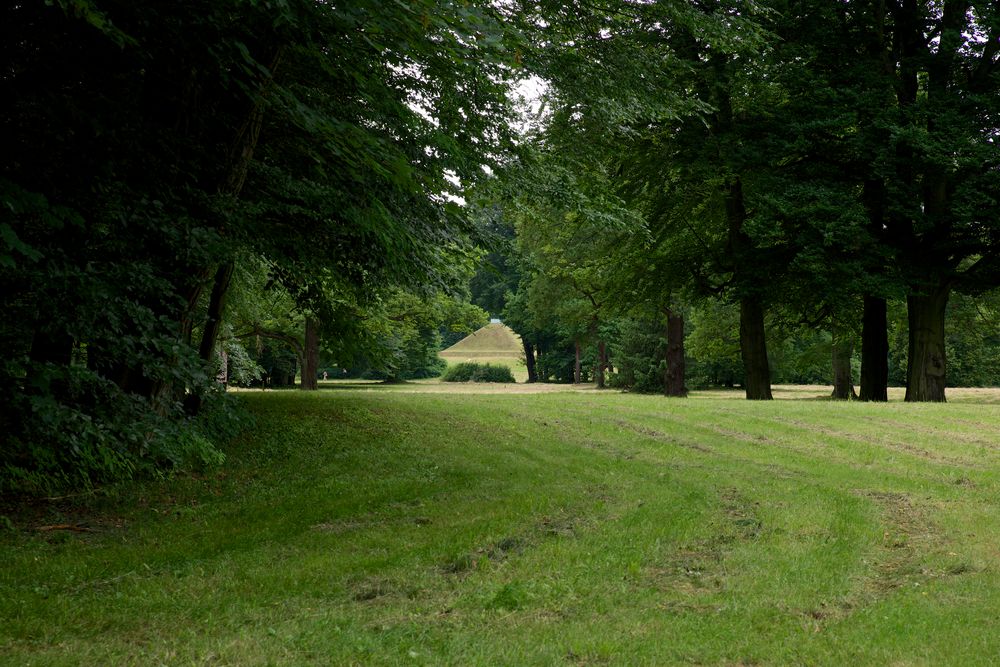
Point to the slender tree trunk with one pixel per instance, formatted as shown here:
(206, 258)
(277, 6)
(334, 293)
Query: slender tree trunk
(529, 360)
(843, 383)
(240, 156)
(576, 364)
(216, 309)
(223, 376)
(926, 363)
(874, 351)
(310, 355)
(753, 348)
(674, 377)
(602, 363)
(213, 322)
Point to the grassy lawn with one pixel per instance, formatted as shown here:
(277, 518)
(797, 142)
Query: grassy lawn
(359, 526)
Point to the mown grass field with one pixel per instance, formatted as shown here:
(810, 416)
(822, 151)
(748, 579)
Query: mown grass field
(366, 527)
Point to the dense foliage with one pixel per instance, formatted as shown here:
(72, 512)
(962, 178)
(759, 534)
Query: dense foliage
(159, 158)
(469, 371)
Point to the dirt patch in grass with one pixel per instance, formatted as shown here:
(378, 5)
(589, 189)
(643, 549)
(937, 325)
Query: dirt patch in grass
(742, 514)
(372, 589)
(694, 571)
(560, 525)
(908, 534)
(486, 556)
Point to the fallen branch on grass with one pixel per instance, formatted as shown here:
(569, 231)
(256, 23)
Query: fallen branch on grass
(66, 526)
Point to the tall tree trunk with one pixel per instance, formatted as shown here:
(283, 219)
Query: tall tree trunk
(241, 150)
(223, 376)
(926, 363)
(874, 350)
(843, 383)
(673, 384)
(529, 360)
(753, 343)
(602, 363)
(576, 364)
(753, 349)
(213, 322)
(216, 309)
(310, 355)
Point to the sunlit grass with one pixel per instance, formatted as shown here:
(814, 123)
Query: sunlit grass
(382, 525)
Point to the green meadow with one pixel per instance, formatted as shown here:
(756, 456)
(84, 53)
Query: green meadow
(362, 526)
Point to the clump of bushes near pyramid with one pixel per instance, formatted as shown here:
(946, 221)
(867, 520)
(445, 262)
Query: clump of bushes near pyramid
(468, 371)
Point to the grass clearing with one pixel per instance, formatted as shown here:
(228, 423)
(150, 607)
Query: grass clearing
(407, 525)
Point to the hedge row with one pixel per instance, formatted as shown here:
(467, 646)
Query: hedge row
(473, 372)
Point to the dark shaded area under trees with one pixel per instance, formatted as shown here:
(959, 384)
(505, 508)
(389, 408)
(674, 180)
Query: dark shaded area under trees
(155, 155)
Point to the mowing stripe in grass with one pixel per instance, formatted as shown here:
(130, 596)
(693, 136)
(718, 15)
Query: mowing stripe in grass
(367, 527)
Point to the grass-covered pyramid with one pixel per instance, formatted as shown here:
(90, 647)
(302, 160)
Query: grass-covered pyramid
(493, 344)
(495, 341)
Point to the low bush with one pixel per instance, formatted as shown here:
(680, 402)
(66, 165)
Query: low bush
(473, 372)
(94, 434)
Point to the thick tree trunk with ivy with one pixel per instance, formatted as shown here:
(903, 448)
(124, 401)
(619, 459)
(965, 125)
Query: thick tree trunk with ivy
(753, 349)
(673, 379)
(926, 361)
(310, 355)
(874, 350)
(843, 383)
(576, 363)
(529, 360)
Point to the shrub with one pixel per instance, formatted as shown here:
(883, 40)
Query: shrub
(93, 434)
(557, 364)
(473, 372)
(639, 351)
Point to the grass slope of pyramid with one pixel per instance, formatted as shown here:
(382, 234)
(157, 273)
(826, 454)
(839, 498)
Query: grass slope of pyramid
(492, 343)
